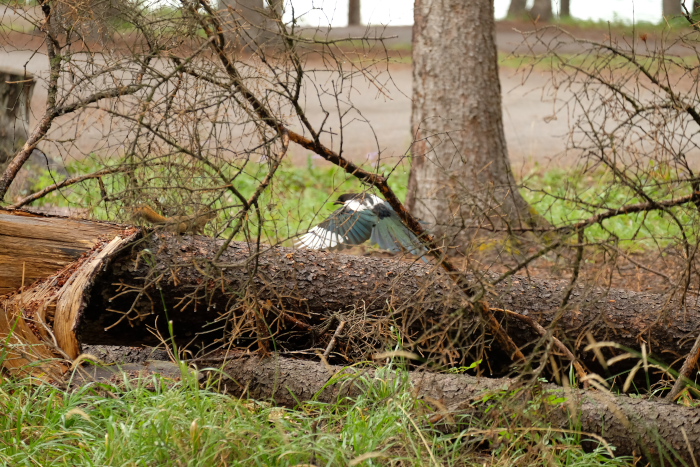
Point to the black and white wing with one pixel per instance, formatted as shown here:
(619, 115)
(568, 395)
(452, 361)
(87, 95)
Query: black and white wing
(343, 227)
(391, 234)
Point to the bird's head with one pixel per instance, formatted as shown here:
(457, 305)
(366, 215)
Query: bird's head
(343, 199)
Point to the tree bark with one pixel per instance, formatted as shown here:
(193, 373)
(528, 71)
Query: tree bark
(542, 10)
(120, 296)
(16, 89)
(672, 8)
(517, 8)
(354, 13)
(632, 425)
(311, 286)
(251, 24)
(565, 9)
(460, 173)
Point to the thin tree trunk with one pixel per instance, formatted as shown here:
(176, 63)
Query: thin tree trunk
(565, 9)
(461, 174)
(517, 8)
(354, 16)
(672, 8)
(250, 23)
(16, 89)
(542, 10)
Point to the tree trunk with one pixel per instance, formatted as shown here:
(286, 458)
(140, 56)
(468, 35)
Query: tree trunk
(565, 9)
(90, 20)
(542, 10)
(354, 16)
(460, 173)
(672, 8)
(16, 87)
(517, 8)
(120, 297)
(251, 24)
(632, 425)
(309, 287)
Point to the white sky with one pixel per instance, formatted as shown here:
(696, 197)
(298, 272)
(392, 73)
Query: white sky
(398, 12)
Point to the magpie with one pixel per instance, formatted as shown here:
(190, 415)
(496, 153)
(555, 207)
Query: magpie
(363, 217)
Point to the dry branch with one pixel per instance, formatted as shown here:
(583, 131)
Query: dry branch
(213, 28)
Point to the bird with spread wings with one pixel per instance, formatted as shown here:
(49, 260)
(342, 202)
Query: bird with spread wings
(362, 217)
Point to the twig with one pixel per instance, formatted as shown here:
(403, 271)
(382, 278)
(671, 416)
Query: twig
(689, 365)
(67, 182)
(336, 334)
(543, 332)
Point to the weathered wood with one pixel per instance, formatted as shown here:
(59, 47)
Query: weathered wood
(37, 325)
(26, 342)
(71, 296)
(34, 246)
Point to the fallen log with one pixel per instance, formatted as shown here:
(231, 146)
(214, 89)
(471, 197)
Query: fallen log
(655, 429)
(298, 290)
(663, 433)
(145, 287)
(632, 425)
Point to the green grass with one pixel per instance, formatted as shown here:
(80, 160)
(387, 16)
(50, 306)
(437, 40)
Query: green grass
(300, 197)
(617, 25)
(620, 26)
(565, 197)
(158, 422)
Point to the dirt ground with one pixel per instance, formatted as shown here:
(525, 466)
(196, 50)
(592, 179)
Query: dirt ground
(535, 131)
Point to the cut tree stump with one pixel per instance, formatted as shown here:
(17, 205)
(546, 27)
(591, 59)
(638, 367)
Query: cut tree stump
(46, 252)
(16, 87)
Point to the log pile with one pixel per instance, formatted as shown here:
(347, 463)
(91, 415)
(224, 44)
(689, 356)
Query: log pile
(99, 283)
